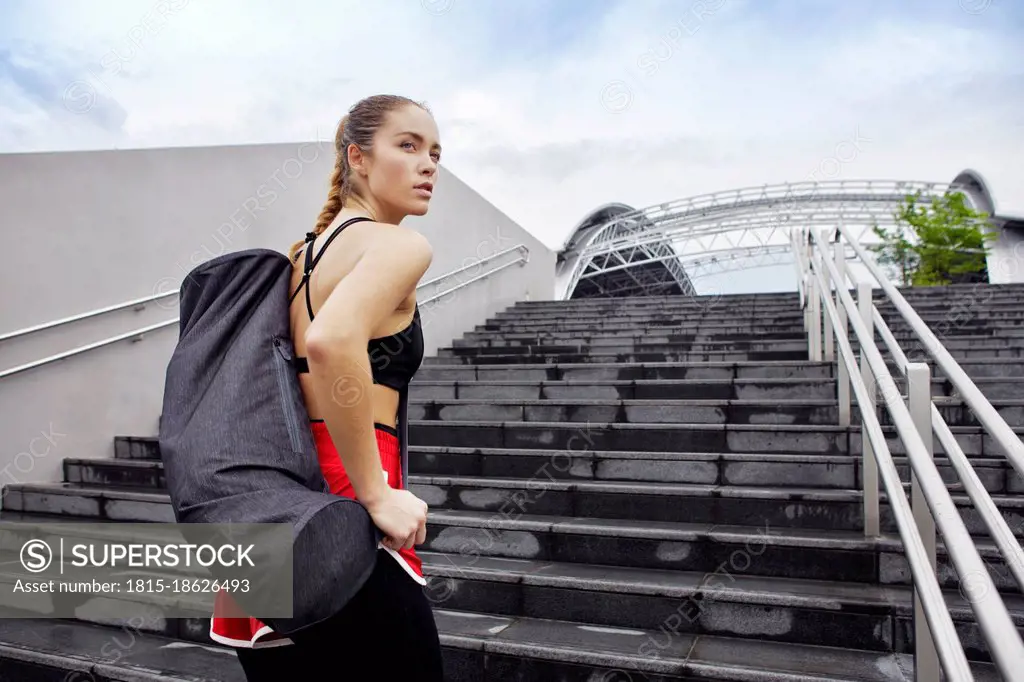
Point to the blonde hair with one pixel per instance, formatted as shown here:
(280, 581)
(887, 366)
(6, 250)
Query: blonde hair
(357, 127)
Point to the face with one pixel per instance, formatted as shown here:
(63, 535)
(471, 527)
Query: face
(401, 169)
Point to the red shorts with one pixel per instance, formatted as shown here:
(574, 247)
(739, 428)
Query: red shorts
(243, 631)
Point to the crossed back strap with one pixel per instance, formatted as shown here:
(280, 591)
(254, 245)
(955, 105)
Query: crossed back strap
(311, 262)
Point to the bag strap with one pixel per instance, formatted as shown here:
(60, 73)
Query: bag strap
(403, 433)
(311, 262)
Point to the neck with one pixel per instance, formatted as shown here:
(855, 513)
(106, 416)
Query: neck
(374, 211)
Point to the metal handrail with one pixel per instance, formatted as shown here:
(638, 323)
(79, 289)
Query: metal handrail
(982, 408)
(975, 489)
(518, 247)
(525, 258)
(84, 316)
(81, 349)
(940, 622)
(1005, 643)
(522, 259)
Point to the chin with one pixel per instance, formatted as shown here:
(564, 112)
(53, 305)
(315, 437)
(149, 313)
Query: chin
(418, 208)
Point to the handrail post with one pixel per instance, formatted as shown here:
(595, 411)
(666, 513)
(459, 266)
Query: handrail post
(843, 387)
(869, 465)
(816, 294)
(919, 404)
(829, 336)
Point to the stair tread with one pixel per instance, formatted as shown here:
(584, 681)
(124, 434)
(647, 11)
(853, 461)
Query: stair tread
(76, 645)
(92, 490)
(977, 460)
(632, 401)
(630, 382)
(940, 401)
(657, 488)
(729, 585)
(796, 428)
(752, 364)
(79, 645)
(136, 463)
(679, 531)
(682, 654)
(626, 487)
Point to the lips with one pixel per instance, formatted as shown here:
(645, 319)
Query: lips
(425, 185)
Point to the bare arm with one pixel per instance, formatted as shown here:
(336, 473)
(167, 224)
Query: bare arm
(336, 344)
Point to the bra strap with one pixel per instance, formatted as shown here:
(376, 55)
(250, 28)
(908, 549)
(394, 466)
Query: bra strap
(311, 262)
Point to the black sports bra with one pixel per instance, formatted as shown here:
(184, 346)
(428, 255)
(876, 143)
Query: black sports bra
(394, 359)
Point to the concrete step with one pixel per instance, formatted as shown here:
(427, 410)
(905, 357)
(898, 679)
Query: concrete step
(790, 507)
(725, 603)
(976, 291)
(941, 324)
(605, 369)
(982, 348)
(704, 468)
(642, 411)
(145, 474)
(940, 321)
(581, 347)
(478, 339)
(680, 411)
(643, 389)
(673, 389)
(651, 437)
(65, 500)
(773, 551)
(980, 299)
(763, 469)
(880, 299)
(644, 357)
(475, 646)
(614, 326)
(636, 371)
(702, 336)
(932, 311)
(581, 356)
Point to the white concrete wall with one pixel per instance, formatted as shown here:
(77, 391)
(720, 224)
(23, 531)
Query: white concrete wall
(1005, 257)
(83, 230)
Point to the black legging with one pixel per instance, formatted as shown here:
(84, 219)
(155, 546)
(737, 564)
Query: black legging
(385, 632)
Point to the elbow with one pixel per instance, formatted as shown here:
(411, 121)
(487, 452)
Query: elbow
(322, 348)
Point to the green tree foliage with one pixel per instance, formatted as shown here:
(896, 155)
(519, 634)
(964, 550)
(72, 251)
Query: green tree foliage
(939, 240)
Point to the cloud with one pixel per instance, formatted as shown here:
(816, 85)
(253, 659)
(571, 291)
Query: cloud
(548, 109)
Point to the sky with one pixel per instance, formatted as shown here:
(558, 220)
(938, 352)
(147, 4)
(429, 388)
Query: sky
(547, 108)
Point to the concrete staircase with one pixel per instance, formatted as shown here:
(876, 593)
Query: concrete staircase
(627, 489)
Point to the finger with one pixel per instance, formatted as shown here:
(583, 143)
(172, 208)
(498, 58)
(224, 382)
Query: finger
(421, 534)
(408, 544)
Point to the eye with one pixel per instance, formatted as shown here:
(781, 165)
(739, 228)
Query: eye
(408, 143)
(436, 156)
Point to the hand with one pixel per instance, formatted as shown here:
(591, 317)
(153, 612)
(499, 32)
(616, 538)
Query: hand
(401, 516)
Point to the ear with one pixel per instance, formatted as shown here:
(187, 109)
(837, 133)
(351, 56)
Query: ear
(356, 159)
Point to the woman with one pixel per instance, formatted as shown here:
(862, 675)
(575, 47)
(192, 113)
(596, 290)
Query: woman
(358, 339)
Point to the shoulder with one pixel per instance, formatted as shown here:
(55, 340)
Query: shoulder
(382, 239)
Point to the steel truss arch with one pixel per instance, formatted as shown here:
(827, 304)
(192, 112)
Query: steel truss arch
(745, 221)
